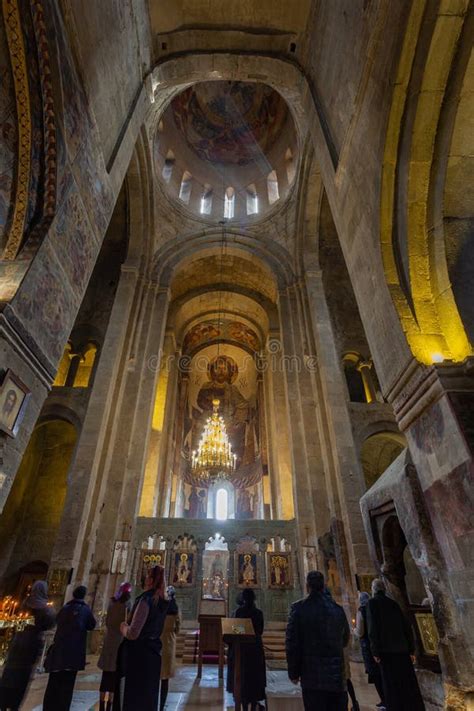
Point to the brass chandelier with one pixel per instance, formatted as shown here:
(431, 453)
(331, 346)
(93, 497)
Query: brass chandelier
(213, 458)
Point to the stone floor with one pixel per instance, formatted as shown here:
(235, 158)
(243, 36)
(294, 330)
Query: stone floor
(187, 692)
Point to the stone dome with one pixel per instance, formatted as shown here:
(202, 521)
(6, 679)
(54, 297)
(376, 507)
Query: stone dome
(227, 149)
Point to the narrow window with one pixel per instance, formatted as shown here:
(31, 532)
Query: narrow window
(252, 200)
(222, 505)
(272, 187)
(167, 171)
(185, 188)
(229, 202)
(290, 165)
(206, 201)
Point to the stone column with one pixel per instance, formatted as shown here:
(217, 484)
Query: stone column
(153, 490)
(283, 505)
(175, 467)
(344, 469)
(127, 469)
(365, 369)
(168, 443)
(309, 488)
(85, 472)
(118, 495)
(434, 407)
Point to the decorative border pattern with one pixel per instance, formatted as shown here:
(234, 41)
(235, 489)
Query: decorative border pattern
(49, 124)
(18, 62)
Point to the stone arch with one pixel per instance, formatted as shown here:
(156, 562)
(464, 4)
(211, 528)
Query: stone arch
(413, 253)
(187, 246)
(378, 451)
(138, 181)
(32, 514)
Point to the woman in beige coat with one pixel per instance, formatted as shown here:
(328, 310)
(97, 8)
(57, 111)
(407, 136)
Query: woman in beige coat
(168, 640)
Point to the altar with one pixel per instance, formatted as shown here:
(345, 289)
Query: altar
(216, 560)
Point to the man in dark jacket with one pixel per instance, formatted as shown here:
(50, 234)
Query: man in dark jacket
(392, 646)
(316, 635)
(67, 655)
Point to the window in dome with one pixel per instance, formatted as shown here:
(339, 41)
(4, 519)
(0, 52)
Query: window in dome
(185, 188)
(272, 187)
(229, 203)
(290, 165)
(252, 200)
(167, 171)
(206, 201)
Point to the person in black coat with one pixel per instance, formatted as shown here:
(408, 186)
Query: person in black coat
(372, 669)
(316, 635)
(26, 648)
(67, 655)
(393, 647)
(253, 670)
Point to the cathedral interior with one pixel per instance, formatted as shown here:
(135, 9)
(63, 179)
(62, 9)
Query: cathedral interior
(255, 217)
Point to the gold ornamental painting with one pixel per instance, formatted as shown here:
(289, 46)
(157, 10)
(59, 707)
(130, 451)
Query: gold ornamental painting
(279, 571)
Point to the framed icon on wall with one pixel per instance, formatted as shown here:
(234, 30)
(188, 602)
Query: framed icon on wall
(148, 559)
(14, 396)
(279, 571)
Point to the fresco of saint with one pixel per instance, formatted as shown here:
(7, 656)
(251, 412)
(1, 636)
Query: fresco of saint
(239, 414)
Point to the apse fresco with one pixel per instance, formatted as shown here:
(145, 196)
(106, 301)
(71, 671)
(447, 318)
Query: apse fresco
(230, 122)
(216, 330)
(231, 377)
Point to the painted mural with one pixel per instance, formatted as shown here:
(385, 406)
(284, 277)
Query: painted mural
(221, 377)
(8, 138)
(231, 377)
(214, 330)
(230, 122)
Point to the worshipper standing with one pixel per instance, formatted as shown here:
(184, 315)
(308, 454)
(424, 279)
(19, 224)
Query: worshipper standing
(372, 669)
(168, 640)
(67, 654)
(392, 645)
(252, 669)
(117, 612)
(140, 651)
(26, 647)
(316, 635)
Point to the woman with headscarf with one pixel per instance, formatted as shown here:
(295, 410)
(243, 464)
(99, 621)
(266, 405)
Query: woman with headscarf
(26, 647)
(252, 670)
(141, 648)
(372, 669)
(168, 640)
(117, 612)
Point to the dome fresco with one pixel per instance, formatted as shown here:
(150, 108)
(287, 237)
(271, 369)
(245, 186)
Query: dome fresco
(230, 122)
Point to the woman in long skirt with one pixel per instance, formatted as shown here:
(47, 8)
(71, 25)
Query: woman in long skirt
(117, 612)
(168, 640)
(141, 649)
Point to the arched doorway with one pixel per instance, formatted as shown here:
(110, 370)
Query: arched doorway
(32, 514)
(378, 452)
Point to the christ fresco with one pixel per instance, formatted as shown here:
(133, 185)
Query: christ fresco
(239, 414)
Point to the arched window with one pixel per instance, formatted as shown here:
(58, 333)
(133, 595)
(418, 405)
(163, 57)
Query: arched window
(185, 188)
(86, 366)
(252, 200)
(206, 201)
(272, 187)
(290, 165)
(167, 171)
(63, 367)
(229, 203)
(222, 505)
